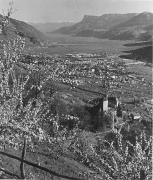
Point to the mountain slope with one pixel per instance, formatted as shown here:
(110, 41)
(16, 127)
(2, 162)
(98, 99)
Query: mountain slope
(114, 26)
(103, 22)
(142, 19)
(140, 26)
(23, 29)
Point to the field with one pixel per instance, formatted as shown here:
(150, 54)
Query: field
(63, 44)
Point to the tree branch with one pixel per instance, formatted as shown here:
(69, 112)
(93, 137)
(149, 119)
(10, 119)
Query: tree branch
(22, 163)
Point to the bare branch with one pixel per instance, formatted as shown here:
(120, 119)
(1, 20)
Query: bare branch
(22, 163)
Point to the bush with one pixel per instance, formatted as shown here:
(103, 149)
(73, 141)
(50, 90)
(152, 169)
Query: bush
(113, 160)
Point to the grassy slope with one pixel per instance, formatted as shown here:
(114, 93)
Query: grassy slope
(25, 30)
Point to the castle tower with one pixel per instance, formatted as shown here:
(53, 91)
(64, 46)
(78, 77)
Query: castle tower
(105, 104)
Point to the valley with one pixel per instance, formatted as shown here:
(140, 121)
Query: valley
(76, 105)
(63, 44)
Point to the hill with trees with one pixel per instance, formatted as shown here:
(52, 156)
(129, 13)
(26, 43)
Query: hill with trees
(24, 30)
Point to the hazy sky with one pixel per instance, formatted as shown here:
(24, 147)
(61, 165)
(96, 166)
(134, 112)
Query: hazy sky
(72, 10)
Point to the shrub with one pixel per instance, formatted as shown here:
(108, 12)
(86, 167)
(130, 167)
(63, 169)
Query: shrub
(113, 160)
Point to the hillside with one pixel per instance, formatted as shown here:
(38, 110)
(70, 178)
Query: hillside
(139, 26)
(142, 19)
(113, 26)
(103, 22)
(76, 142)
(32, 35)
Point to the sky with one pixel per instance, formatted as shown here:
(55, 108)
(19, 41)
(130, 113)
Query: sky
(71, 10)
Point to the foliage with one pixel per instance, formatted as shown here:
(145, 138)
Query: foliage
(24, 123)
(115, 161)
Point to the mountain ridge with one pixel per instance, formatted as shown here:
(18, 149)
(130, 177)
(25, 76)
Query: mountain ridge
(98, 22)
(113, 26)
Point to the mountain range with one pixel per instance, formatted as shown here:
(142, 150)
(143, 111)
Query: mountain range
(113, 26)
(16, 27)
(110, 26)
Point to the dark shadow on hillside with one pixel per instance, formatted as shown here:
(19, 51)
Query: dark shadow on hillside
(142, 54)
